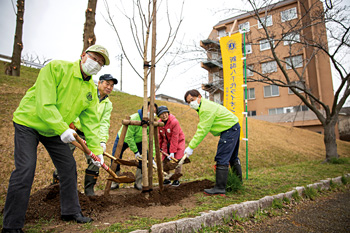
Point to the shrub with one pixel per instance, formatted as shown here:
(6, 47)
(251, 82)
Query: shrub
(311, 193)
(234, 184)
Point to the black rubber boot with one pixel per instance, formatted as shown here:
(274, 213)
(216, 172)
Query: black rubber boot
(237, 169)
(221, 180)
(55, 177)
(90, 181)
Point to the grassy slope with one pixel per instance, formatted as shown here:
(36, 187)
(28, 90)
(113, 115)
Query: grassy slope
(280, 157)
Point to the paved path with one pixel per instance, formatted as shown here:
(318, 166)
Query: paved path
(326, 214)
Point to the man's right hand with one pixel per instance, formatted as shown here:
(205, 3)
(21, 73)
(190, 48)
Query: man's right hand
(67, 136)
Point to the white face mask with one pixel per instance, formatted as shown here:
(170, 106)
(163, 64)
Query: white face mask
(194, 104)
(91, 67)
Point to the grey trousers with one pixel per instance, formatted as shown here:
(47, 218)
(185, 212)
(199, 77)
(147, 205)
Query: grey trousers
(21, 180)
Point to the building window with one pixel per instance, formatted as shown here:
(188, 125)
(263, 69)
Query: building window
(296, 62)
(249, 72)
(270, 91)
(215, 56)
(216, 77)
(289, 14)
(251, 113)
(274, 111)
(269, 67)
(244, 26)
(300, 108)
(248, 49)
(291, 38)
(217, 98)
(251, 94)
(268, 21)
(298, 84)
(222, 33)
(265, 45)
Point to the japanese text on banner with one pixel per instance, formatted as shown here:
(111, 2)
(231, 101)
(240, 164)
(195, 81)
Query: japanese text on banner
(231, 52)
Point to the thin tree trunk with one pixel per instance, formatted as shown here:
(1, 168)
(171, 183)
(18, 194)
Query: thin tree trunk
(153, 74)
(89, 37)
(145, 183)
(15, 67)
(330, 140)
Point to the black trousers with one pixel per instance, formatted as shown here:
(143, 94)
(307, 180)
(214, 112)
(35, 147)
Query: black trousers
(21, 180)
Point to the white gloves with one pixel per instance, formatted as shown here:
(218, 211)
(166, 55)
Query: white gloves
(103, 145)
(67, 136)
(98, 164)
(138, 156)
(171, 156)
(188, 151)
(154, 163)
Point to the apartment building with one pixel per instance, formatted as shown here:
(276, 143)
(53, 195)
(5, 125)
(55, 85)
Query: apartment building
(271, 102)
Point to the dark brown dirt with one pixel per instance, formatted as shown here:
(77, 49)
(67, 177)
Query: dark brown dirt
(45, 204)
(171, 165)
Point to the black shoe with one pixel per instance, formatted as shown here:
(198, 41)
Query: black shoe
(166, 182)
(175, 183)
(79, 218)
(4, 230)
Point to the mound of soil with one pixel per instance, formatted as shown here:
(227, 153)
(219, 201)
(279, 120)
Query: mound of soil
(124, 202)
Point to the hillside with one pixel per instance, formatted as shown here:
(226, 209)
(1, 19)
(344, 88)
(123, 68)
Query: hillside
(270, 145)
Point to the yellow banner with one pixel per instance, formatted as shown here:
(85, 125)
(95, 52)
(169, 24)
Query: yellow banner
(231, 52)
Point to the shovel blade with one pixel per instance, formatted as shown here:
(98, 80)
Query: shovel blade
(175, 176)
(122, 179)
(133, 163)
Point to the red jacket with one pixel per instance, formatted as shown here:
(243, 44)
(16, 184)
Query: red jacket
(172, 133)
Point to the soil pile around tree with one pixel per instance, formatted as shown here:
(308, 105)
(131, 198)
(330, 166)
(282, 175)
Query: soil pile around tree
(45, 204)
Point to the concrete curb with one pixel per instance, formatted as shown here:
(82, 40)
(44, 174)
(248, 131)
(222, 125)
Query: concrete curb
(244, 209)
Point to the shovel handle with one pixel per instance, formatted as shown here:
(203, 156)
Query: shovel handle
(92, 155)
(182, 160)
(167, 155)
(75, 143)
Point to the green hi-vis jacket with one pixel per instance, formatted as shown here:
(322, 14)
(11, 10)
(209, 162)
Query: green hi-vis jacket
(213, 118)
(104, 110)
(57, 98)
(134, 133)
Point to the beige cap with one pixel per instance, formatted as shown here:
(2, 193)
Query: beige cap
(101, 50)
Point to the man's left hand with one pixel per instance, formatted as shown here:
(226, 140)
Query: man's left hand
(98, 164)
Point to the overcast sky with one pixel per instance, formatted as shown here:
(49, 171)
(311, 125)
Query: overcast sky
(54, 30)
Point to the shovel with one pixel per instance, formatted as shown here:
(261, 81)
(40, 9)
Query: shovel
(115, 178)
(134, 162)
(168, 156)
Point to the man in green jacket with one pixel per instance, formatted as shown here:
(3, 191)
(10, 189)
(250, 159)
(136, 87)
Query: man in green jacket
(104, 88)
(62, 92)
(133, 140)
(219, 121)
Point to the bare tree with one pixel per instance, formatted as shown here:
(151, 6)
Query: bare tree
(308, 35)
(140, 25)
(89, 37)
(15, 66)
(33, 60)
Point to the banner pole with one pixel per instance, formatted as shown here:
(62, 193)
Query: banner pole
(246, 105)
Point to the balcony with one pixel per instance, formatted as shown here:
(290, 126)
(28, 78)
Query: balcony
(214, 86)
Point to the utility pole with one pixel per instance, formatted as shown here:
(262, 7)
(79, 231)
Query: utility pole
(121, 70)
